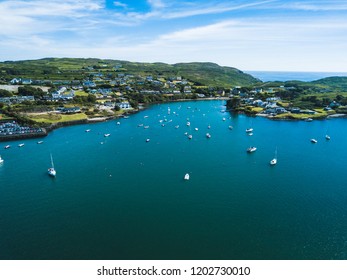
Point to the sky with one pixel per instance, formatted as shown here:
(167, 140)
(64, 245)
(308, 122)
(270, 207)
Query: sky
(265, 35)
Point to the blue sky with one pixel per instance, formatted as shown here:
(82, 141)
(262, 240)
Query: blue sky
(270, 35)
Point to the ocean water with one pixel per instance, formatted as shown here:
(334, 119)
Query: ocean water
(267, 76)
(122, 198)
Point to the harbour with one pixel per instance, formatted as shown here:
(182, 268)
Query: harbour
(127, 198)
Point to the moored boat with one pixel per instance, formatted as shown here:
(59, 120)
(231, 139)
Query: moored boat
(314, 141)
(1, 160)
(327, 137)
(21, 145)
(7, 147)
(251, 149)
(39, 142)
(107, 134)
(208, 135)
(186, 177)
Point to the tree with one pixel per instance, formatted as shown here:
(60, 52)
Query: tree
(5, 93)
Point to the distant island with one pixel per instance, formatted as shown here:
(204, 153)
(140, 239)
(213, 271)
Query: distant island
(51, 92)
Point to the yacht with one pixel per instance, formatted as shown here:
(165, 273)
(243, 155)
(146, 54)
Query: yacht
(139, 125)
(1, 160)
(21, 145)
(314, 141)
(51, 170)
(177, 126)
(251, 149)
(196, 129)
(145, 127)
(7, 146)
(39, 142)
(87, 130)
(208, 126)
(208, 135)
(308, 120)
(186, 177)
(188, 123)
(118, 123)
(274, 160)
(224, 119)
(190, 136)
(107, 134)
(248, 130)
(147, 140)
(230, 127)
(327, 137)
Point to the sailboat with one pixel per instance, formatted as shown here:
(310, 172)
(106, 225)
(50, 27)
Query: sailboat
(51, 170)
(274, 160)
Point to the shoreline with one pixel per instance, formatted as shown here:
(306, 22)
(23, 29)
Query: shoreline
(47, 130)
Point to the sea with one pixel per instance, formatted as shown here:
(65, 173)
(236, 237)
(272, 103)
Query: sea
(121, 197)
(267, 76)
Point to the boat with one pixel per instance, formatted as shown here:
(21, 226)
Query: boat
(188, 123)
(308, 120)
(87, 130)
(314, 141)
(107, 134)
(224, 119)
(177, 126)
(51, 170)
(208, 126)
(21, 145)
(139, 125)
(250, 134)
(145, 127)
(186, 177)
(274, 160)
(118, 123)
(230, 127)
(1, 160)
(251, 149)
(190, 136)
(248, 130)
(162, 124)
(39, 142)
(125, 117)
(145, 117)
(196, 129)
(7, 146)
(208, 135)
(327, 137)
(147, 140)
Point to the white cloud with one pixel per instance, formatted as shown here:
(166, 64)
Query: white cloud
(317, 6)
(120, 4)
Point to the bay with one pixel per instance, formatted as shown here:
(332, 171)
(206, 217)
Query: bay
(120, 197)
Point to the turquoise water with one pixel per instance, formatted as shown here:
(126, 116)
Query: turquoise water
(126, 199)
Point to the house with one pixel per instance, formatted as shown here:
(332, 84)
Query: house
(27, 81)
(15, 81)
(124, 105)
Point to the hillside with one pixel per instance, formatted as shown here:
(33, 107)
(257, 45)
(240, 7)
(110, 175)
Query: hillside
(208, 74)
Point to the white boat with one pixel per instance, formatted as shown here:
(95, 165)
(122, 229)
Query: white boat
(147, 140)
(1, 160)
(107, 134)
(230, 127)
(308, 120)
(208, 126)
(177, 126)
(224, 119)
(251, 149)
(188, 123)
(21, 145)
(162, 124)
(51, 170)
(190, 136)
(125, 117)
(39, 142)
(145, 127)
(248, 130)
(314, 141)
(274, 160)
(250, 134)
(145, 117)
(87, 130)
(327, 137)
(139, 125)
(208, 135)
(118, 123)
(7, 146)
(196, 129)
(186, 177)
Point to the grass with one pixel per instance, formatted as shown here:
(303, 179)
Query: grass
(54, 118)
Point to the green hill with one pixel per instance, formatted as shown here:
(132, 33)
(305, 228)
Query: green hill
(209, 74)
